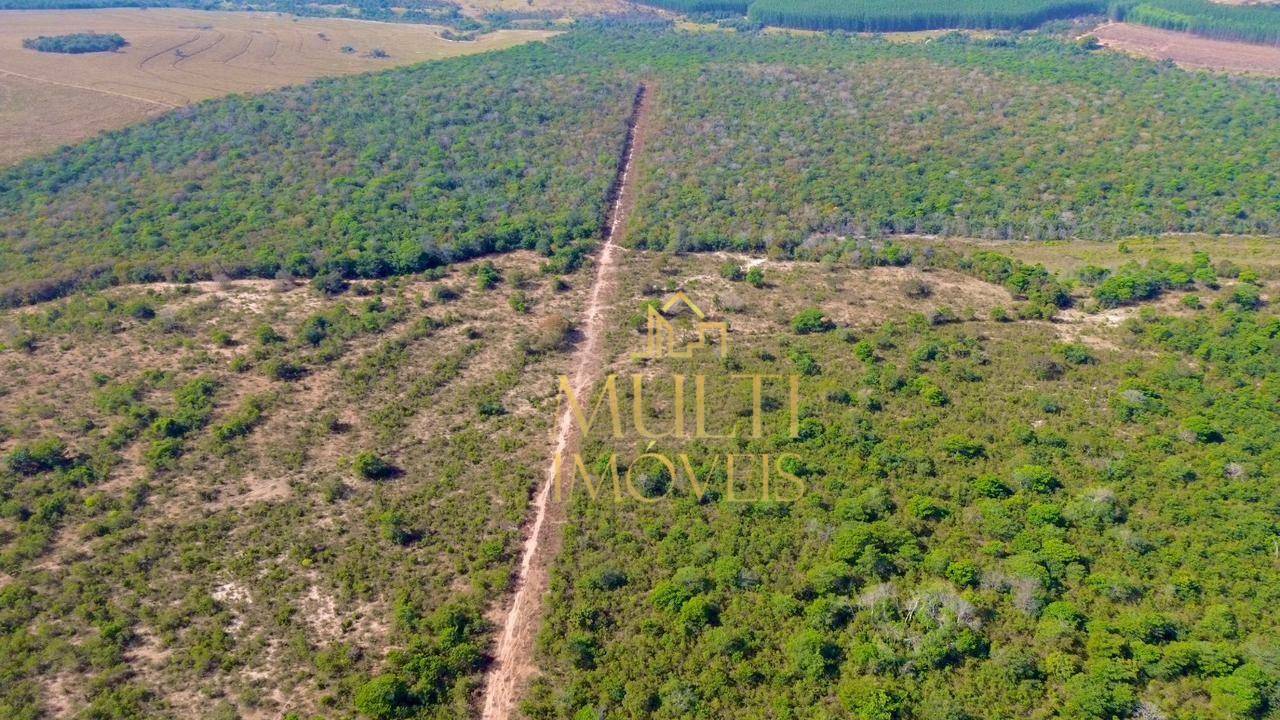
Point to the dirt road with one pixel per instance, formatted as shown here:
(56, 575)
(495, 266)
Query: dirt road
(513, 664)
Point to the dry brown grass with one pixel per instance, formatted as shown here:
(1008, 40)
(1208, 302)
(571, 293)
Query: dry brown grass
(1190, 51)
(1067, 256)
(176, 57)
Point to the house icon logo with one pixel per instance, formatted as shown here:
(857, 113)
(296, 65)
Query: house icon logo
(662, 338)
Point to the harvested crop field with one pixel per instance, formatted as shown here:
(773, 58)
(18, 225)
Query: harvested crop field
(177, 57)
(1189, 50)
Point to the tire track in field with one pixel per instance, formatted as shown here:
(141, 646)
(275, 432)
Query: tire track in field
(221, 36)
(513, 663)
(248, 44)
(142, 66)
(169, 49)
(168, 74)
(45, 81)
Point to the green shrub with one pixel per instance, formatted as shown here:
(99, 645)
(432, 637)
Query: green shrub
(963, 447)
(1035, 478)
(487, 275)
(267, 335)
(519, 302)
(371, 467)
(990, 486)
(916, 289)
(811, 320)
(282, 369)
(242, 421)
(385, 697)
(329, 283)
(40, 456)
(732, 271)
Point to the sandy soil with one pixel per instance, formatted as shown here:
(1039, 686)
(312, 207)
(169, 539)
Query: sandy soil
(176, 57)
(513, 664)
(1189, 50)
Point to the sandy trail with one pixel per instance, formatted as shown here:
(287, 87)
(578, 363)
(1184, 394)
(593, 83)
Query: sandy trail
(513, 664)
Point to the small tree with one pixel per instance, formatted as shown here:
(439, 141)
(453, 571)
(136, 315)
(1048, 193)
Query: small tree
(385, 697)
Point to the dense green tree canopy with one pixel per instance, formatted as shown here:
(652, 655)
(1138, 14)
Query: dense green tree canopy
(767, 142)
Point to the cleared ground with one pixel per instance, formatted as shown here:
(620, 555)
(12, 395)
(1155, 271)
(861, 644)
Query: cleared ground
(1066, 257)
(177, 57)
(1190, 50)
(550, 8)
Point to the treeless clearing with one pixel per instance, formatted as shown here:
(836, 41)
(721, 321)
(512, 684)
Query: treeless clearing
(1067, 256)
(552, 8)
(1190, 50)
(177, 57)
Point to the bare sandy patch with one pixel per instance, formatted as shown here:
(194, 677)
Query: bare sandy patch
(1189, 50)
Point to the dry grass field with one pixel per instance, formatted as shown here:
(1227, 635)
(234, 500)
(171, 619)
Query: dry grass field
(1065, 257)
(1189, 50)
(177, 57)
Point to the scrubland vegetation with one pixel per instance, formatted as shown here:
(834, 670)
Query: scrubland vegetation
(1026, 138)
(1036, 140)
(1030, 489)
(1003, 518)
(310, 180)
(231, 499)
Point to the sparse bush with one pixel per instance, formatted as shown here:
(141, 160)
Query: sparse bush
(1035, 478)
(40, 456)
(329, 283)
(487, 275)
(267, 335)
(811, 320)
(916, 289)
(732, 271)
(282, 369)
(1045, 368)
(519, 302)
(551, 333)
(370, 466)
